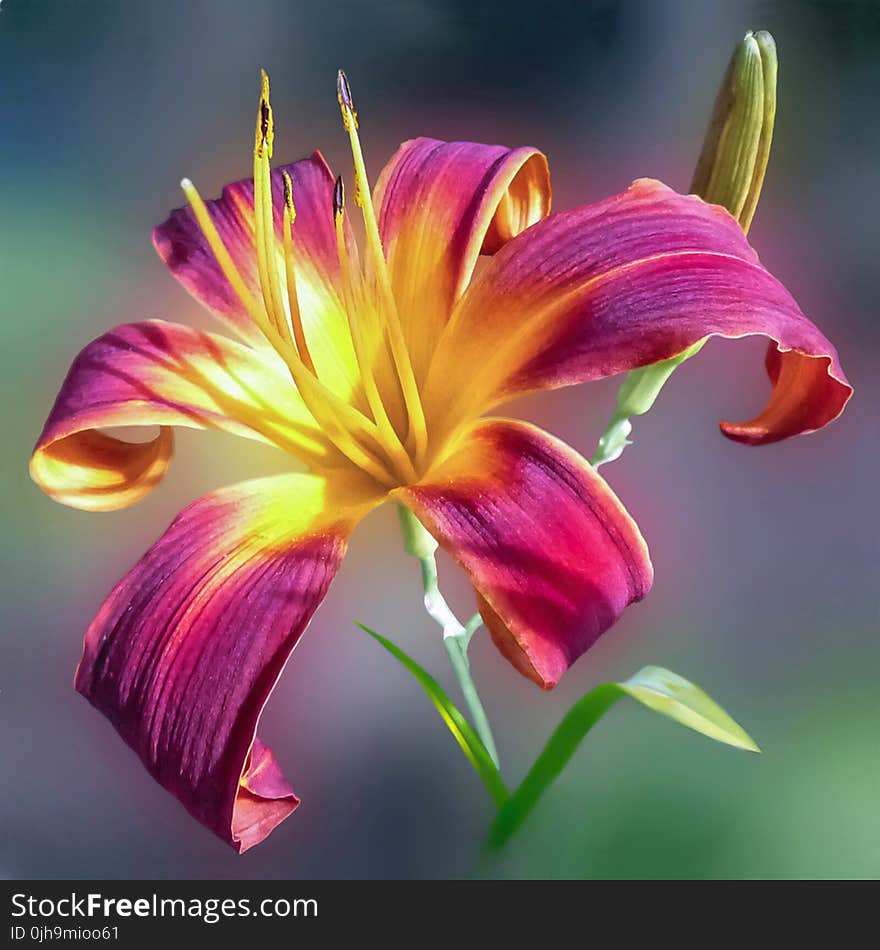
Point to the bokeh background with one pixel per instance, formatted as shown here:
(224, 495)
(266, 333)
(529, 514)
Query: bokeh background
(766, 559)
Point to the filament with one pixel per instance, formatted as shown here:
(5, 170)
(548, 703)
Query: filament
(372, 444)
(326, 407)
(374, 399)
(264, 216)
(296, 324)
(400, 355)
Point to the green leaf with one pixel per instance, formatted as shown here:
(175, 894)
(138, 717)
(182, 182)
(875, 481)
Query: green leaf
(461, 730)
(655, 688)
(672, 695)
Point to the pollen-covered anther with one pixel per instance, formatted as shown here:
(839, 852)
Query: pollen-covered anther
(264, 138)
(346, 103)
(288, 195)
(338, 197)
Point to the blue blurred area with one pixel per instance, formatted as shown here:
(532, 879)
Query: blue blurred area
(767, 559)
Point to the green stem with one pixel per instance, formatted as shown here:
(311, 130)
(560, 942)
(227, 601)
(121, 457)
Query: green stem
(456, 637)
(613, 440)
(637, 394)
(456, 647)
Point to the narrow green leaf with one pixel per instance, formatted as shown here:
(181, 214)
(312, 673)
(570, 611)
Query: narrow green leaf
(655, 688)
(461, 730)
(672, 695)
(576, 723)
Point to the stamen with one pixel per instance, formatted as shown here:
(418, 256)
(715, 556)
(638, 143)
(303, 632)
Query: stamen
(326, 407)
(377, 407)
(264, 215)
(418, 432)
(299, 335)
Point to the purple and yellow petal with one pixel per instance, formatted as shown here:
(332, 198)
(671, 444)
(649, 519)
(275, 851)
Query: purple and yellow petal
(552, 554)
(186, 252)
(623, 283)
(442, 204)
(185, 652)
(183, 248)
(161, 374)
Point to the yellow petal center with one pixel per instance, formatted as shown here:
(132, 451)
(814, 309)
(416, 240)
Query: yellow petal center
(384, 432)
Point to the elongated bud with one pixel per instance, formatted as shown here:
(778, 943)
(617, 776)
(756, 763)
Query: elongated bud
(731, 167)
(338, 197)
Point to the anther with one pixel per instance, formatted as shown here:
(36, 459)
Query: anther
(338, 197)
(343, 90)
(265, 133)
(288, 195)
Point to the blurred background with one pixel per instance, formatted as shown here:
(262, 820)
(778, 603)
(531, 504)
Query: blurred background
(766, 559)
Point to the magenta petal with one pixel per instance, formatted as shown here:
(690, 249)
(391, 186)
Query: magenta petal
(183, 248)
(161, 374)
(442, 204)
(623, 283)
(552, 554)
(186, 650)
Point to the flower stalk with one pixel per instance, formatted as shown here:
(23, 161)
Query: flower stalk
(418, 543)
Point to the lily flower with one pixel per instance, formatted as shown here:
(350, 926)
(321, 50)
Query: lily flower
(375, 367)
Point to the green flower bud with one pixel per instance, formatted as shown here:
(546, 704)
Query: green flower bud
(731, 167)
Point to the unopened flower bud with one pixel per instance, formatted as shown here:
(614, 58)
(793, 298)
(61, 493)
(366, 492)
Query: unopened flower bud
(731, 167)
